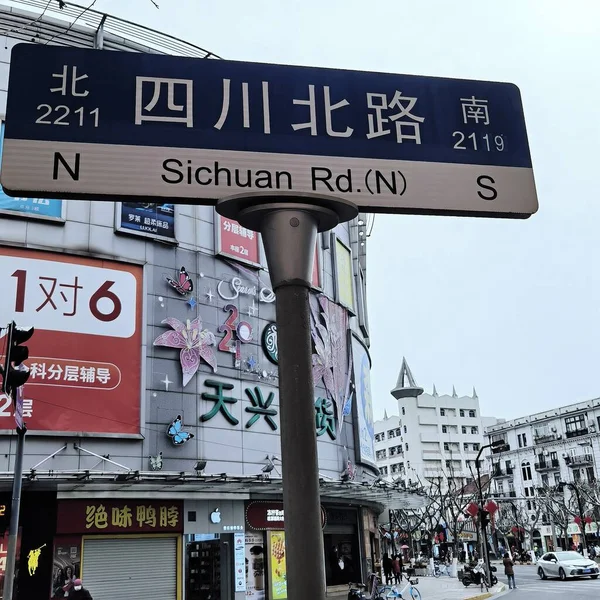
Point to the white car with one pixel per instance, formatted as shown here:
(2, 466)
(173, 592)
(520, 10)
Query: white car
(566, 564)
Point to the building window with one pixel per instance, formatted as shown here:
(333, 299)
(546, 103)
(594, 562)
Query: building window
(468, 463)
(474, 430)
(556, 478)
(444, 429)
(446, 446)
(466, 447)
(391, 434)
(403, 411)
(476, 447)
(589, 471)
(393, 451)
(405, 429)
(462, 412)
(526, 471)
(545, 481)
(384, 470)
(522, 439)
(406, 446)
(442, 412)
(448, 464)
(472, 414)
(394, 468)
(464, 429)
(408, 464)
(398, 432)
(575, 425)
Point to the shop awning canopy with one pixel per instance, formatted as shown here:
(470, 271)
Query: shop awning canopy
(161, 484)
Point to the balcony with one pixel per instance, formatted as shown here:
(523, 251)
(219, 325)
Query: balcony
(501, 449)
(548, 465)
(546, 437)
(577, 432)
(506, 494)
(499, 473)
(579, 460)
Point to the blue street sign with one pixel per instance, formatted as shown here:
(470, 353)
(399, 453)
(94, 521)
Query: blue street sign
(88, 123)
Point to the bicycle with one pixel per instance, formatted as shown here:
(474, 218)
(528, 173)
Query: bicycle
(439, 569)
(392, 591)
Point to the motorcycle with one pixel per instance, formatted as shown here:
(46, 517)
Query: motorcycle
(476, 575)
(355, 591)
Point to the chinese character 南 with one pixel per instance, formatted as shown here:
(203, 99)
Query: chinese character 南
(260, 407)
(266, 114)
(64, 77)
(121, 517)
(146, 515)
(329, 108)
(220, 401)
(475, 110)
(325, 417)
(169, 85)
(96, 517)
(379, 103)
(49, 290)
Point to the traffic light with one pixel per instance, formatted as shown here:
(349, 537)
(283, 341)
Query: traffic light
(485, 518)
(14, 373)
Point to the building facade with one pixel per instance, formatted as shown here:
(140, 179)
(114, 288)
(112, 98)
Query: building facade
(432, 435)
(152, 452)
(542, 451)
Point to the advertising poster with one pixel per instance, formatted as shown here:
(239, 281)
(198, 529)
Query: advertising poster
(237, 242)
(365, 430)
(239, 559)
(3, 555)
(277, 568)
(67, 565)
(147, 219)
(85, 354)
(316, 270)
(345, 277)
(255, 566)
(36, 207)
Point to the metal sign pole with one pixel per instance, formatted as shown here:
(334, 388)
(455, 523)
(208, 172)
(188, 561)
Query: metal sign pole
(11, 556)
(289, 230)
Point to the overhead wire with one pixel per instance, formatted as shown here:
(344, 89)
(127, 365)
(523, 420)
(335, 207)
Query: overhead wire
(30, 23)
(64, 32)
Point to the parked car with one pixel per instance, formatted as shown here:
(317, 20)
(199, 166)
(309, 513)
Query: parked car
(566, 564)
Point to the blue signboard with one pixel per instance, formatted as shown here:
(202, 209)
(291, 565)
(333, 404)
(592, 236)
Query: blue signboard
(99, 124)
(37, 207)
(145, 218)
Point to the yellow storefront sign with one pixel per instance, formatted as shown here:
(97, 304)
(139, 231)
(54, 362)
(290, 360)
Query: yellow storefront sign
(278, 569)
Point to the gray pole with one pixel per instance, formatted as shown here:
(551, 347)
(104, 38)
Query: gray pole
(289, 231)
(11, 556)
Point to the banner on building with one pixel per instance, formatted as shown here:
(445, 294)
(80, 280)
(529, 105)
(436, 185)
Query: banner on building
(278, 565)
(363, 406)
(255, 566)
(85, 355)
(237, 242)
(146, 219)
(42, 208)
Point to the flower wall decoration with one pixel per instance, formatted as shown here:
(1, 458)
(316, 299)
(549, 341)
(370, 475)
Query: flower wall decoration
(331, 359)
(194, 342)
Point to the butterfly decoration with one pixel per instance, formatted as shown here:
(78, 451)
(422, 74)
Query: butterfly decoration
(156, 462)
(183, 284)
(176, 433)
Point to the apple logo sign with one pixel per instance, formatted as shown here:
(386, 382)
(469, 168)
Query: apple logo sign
(215, 516)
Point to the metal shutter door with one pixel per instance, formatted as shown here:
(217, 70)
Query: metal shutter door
(130, 568)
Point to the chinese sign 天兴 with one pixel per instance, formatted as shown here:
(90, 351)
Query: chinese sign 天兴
(119, 516)
(84, 358)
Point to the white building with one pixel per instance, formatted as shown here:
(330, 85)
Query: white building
(544, 449)
(432, 434)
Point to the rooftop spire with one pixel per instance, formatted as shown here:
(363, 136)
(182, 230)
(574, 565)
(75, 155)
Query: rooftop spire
(475, 393)
(454, 394)
(385, 415)
(434, 393)
(406, 386)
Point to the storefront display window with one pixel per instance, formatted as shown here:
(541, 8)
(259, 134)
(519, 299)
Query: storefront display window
(203, 566)
(67, 565)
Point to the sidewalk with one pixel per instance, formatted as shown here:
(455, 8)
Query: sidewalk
(443, 588)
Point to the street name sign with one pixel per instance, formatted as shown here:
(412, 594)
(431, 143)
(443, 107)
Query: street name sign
(104, 125)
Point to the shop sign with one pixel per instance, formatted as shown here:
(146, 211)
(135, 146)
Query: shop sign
(233, 288)
(262, 515)
(278, 565)
(255, 559)
(119, 516)
(237, 242)
(87, 318)
(33, 559)
(269, 343)
(154, 220)
(239, 559)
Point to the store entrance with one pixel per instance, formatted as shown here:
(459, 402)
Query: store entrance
(207, 561)
(342, 560)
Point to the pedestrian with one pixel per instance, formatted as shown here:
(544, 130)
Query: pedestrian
(509, 571)
(388, 568)
(79, 592)
(397, 566)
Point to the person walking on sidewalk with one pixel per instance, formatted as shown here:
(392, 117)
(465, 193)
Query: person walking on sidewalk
(397, 565)
(388, 567)
(509, 571)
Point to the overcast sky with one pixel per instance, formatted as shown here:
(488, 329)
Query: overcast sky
(510, 307)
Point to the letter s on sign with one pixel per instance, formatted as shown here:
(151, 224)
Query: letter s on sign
(492, 192)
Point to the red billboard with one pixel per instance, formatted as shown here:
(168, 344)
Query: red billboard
(85, 354)
(237, 242)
